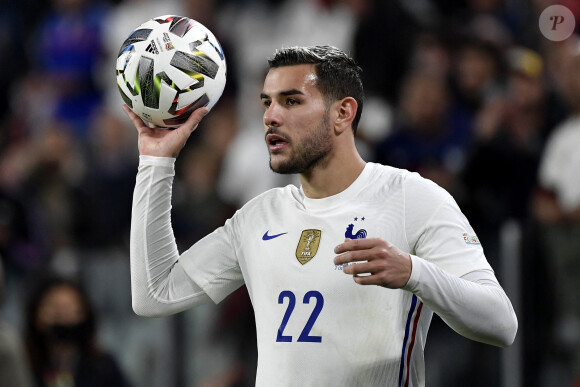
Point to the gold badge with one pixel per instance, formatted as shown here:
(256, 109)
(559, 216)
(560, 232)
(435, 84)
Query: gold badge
(308, 245)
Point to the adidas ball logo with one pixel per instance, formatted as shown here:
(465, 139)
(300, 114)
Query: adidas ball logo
(152, 48)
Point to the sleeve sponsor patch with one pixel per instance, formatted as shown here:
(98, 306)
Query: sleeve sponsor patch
(471, 239)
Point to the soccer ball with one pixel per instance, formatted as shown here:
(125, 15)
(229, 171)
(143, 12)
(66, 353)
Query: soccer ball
(168, 67)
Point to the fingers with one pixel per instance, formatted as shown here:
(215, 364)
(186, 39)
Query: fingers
(358, 249)
(161, 142)
(374, 261)
(195, 118)
(357, 244)
(359, 268)
(190, 125)
(137, 122)
(353, 256)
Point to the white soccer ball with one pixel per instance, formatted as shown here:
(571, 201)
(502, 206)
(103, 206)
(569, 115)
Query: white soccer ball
(168, 67)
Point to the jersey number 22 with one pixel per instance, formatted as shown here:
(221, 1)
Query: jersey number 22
(305, 335)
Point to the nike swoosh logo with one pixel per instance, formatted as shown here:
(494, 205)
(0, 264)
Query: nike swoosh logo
(267, 237)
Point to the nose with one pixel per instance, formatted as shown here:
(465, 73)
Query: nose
(272, 116)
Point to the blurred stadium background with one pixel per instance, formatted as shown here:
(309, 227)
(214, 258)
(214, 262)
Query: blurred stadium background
(469, 93)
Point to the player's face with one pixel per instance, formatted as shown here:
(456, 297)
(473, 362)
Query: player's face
(298, 134)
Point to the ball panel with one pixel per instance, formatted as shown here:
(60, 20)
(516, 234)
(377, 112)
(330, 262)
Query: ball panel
(183, 114)
(126, 99)
(181, 25)
(194, 64)
(147, 88)
(136, 36)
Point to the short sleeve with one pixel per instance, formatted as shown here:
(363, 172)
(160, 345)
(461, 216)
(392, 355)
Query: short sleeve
(212, 263)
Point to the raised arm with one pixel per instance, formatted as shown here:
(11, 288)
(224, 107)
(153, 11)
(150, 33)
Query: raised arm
(159, 284)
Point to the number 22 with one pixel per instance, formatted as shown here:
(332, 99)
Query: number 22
(305, 335)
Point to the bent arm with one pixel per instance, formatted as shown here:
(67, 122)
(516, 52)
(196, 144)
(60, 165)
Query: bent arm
(474, 305)
(450, 272)
(159, 284)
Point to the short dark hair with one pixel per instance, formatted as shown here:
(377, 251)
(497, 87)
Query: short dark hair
(339, 76)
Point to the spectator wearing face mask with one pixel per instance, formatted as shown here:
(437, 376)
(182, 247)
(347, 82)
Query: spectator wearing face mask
(61, 340)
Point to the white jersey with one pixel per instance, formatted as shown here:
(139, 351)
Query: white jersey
(315, 325)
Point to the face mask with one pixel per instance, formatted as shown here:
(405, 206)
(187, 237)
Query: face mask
(71, 333)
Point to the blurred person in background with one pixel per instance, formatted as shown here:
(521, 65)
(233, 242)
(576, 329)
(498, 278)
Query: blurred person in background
(496, 22)
(508, 137)
(22, 246)
(476, 75)
(60, 336)
(18, 23)
(382, 41)
(426, 138)
(39, 180)
(51, 185)
(556, 208)
(66, 53)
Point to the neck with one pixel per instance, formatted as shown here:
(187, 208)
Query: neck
(333, 175)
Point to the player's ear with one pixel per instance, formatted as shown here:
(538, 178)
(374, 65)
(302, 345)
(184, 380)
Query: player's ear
(345, 111)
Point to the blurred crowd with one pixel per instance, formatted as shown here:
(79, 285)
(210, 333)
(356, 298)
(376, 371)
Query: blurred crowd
(468, 93)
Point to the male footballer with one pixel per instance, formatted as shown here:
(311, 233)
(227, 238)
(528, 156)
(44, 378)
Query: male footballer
(345, 271)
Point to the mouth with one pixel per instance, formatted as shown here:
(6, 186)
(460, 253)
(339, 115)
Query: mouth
(276, 142)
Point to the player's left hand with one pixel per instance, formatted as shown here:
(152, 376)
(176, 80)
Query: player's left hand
(374, 261)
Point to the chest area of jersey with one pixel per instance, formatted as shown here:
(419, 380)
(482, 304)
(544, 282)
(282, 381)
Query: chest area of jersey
(300, 295)
(304, 242)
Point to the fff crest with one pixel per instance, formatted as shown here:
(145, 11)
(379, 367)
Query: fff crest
(308, 245)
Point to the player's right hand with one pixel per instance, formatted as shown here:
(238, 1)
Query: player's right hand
(374, 261)
(154, 141)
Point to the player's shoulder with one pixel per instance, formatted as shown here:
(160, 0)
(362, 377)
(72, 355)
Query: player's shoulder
(398, 178)
(386, 176)
(412, 185)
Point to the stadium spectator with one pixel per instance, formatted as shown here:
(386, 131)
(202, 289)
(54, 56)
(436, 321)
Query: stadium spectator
(476, 76)
(61, 341)
(426, 138)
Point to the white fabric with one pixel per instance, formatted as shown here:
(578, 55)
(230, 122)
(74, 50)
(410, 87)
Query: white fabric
(158, 286)
(561, 163)
(368, 335)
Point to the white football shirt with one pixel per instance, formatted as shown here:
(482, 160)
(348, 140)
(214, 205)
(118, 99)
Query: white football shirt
(315, 325)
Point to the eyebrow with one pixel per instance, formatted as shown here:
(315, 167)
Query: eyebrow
(283, 93)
